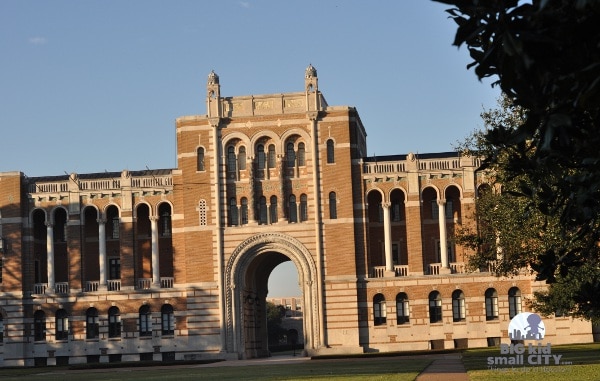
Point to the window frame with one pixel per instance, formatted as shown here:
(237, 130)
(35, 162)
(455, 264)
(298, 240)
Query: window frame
(292, 209)
(402, 309)
(92, 324)
(459, 309)
(61, 325)
(39, 326)
(330, 151)
(303, 208)
(145, 321)
(379, 310)
(167, 320)
(114, 322)
(200, 165)
(332, 206)
(435, 307)
(491, 304)
(515, 305)
(273, 217)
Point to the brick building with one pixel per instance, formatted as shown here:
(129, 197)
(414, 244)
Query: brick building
(173, 263)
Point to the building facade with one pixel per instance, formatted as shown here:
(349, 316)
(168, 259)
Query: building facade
(173, 264)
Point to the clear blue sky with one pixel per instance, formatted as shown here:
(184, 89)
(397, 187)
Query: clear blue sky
(89, 86)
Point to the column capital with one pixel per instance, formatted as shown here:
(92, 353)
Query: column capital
(441, 201)
(101, 221)
(153, 218)
(48, 224)
(386, 204)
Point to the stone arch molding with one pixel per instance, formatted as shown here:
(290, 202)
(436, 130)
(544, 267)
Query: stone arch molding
(235, 271)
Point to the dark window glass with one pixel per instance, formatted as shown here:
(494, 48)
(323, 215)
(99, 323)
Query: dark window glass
(200, 159)
(402, 309)
(435, 307)
(330, 153)
(379, 309)
(145, 321)
(114, 322)
(91, 325)
(167, 319)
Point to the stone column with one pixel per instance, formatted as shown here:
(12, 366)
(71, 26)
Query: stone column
(443, 239)
(155, 259)
(387, 233)
(102, 249)
(50, 253)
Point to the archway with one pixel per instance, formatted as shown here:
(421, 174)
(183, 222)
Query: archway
(246, 278)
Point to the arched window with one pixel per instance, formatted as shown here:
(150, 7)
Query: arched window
(402, 309)
(290, 155)
(242, 158)
(244, 211)
(273, 209)
(112, 222)
(301, 155)
(145, 322)
(62, 325)
(167, 319)
(92, 330)
(379, 309)
(458, 306)
(293, 211)
(303, 208)
(231, 160)
(332, 205)
(164, 212)
(271, 156)
(491, 304)
(514, 302)
(60, 225)
(200, 159)
(114, 322)
(397, 207)
(435, 307)
(262, 210)
(260, 155)
(330, 153)
(39, 326)
(233, 212)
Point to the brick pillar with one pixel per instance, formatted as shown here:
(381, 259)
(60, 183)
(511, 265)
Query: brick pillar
(413, 235)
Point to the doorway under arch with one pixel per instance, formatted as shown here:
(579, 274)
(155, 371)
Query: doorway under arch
(246, 279)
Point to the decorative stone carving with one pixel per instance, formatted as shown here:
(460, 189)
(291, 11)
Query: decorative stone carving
(241, 259)
(311, 72)
(213, 78)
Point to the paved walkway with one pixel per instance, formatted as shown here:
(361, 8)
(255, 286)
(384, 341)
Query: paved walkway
(446, 367)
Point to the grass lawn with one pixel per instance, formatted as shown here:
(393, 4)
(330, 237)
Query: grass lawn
(578, 362)
(375, 369)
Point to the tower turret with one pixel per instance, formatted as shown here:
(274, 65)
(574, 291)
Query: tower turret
(213, 96)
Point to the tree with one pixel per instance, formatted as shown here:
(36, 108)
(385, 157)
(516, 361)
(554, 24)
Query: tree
(274, 315)
(545, 56)
(511, 232)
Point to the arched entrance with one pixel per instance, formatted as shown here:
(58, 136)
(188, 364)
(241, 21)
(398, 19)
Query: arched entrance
(246, 277)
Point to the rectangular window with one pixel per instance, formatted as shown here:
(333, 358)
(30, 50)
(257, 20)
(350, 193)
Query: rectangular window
(114, 268)
(115, 228)
(396, 254)
(145, 326)
(92, 328)
(449, 209)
